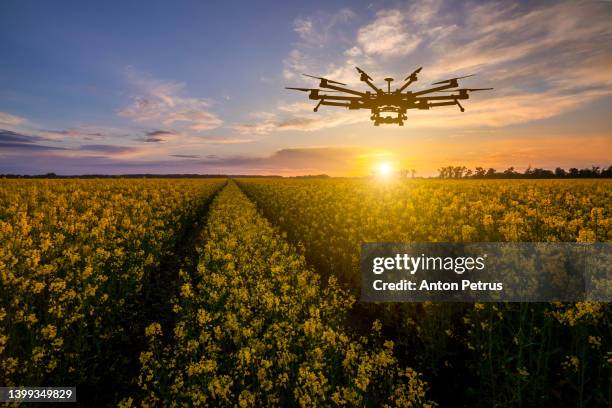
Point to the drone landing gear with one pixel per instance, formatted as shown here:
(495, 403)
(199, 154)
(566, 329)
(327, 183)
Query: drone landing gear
(460, 107)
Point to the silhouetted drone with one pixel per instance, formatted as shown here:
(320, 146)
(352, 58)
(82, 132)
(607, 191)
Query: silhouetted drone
(394, 102)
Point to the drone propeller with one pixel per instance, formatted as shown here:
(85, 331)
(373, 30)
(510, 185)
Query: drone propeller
(300, 89)
(310, 89)
(452, 79)
(363, 73)
(328, 80)
(413, 74)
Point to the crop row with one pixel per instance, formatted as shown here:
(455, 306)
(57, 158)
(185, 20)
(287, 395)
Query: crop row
(255, 327)
(496, 354)
(75, 259)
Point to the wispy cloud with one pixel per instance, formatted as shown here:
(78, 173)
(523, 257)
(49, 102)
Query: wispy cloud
(109, 149)
(16, 137)
(318, 30)
(300, 123)
(290, 161)
(164, 103)
(159, 136)
(15, 143)
(11, 120)
(388, 35)
(72, 134)
(186, 156)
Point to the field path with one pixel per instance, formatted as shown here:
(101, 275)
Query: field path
(255, 327)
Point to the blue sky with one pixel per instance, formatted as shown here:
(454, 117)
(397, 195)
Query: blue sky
(177, 87)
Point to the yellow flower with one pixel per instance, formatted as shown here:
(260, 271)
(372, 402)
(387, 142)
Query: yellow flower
(153, 330)
(49, 332)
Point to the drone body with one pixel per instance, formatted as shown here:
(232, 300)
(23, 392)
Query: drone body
(394, 102)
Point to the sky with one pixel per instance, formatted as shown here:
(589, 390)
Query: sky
(198, 87)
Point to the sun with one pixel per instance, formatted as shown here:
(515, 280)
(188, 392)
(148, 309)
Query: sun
(384, 169)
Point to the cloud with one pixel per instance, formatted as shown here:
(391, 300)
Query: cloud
(422, 12)
(15, 137)
(301, 123)
(317, 31)
(294, 64)
(295, 107)
(159, 136)
(163, 103)
(291, 161)
(13, 147)
(501, 111)
(73, 134)
(303, 27)
(388, 35)
(501, 33)
(12, 143)
(11, 120)
(186, 156)
(110, 149)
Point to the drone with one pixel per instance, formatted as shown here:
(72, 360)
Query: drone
(388, 107)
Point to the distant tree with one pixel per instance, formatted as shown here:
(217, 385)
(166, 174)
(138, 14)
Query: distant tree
(530, 172)
(510, 173)
(479, 172)
(541, 173)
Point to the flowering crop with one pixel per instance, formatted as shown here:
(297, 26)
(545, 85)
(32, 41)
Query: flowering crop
(518, 353)
(263, 314)
(75, 256)
(255, 327)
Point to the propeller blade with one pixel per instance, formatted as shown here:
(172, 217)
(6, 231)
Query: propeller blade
(414, 73)
(328, 80)
(311, 89)
(300, 89)
(452, 79)
(362, 72)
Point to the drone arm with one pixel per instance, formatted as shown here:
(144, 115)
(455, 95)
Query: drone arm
(442, 97)
(371, 85)
(326, 103)
(346, 90)
(364, 77)
(450, 103)
(438, 88)
(410, 78)
(407, 84)
(346, 105)
(341, 98)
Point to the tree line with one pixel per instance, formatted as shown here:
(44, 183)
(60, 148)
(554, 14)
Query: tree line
(462, 172)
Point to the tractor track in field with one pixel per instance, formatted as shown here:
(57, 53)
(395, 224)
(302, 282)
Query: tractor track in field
(155, 305)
